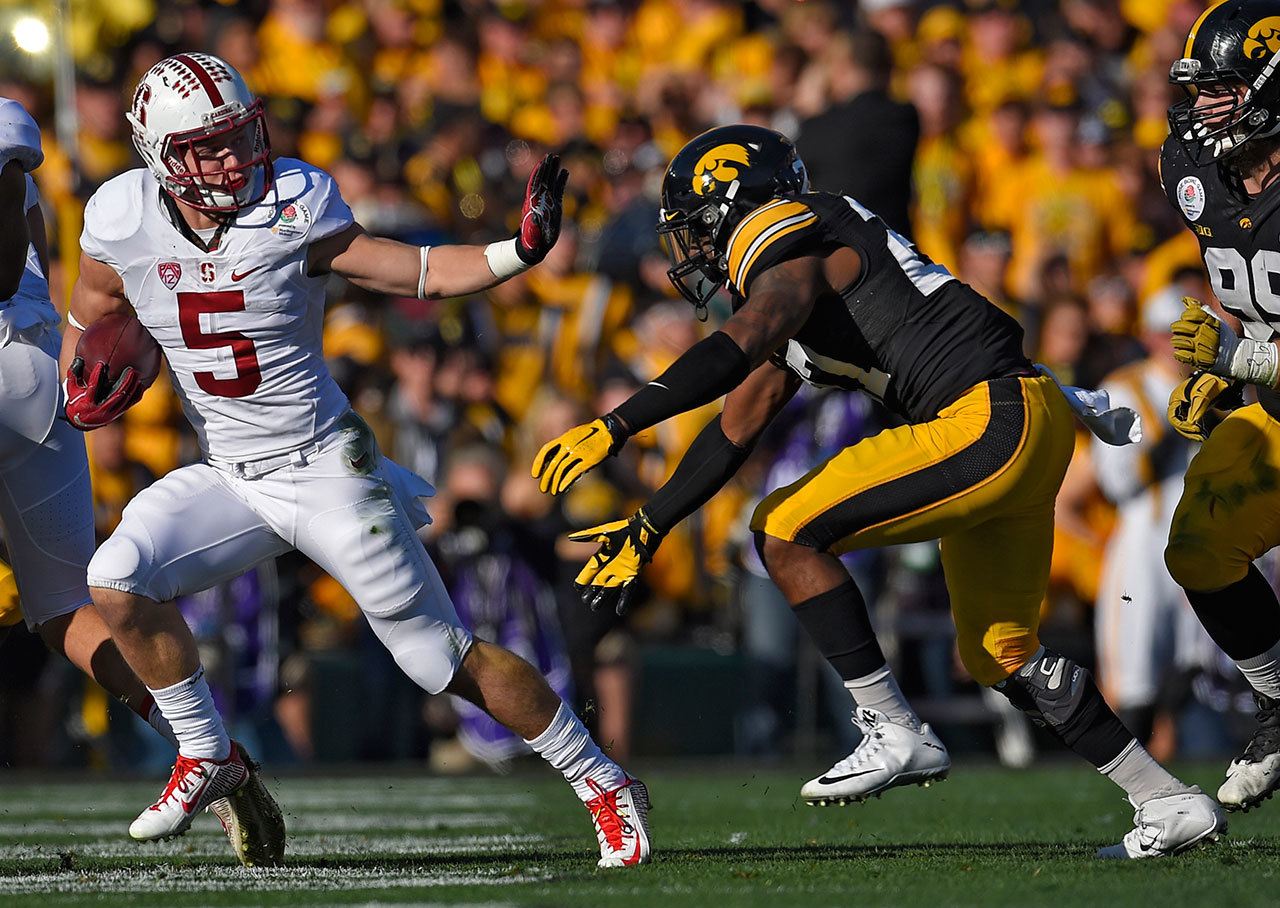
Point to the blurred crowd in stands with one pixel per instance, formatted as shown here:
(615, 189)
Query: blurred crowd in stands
(1015, 142)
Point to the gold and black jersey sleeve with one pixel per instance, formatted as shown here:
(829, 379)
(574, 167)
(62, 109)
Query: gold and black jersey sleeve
(776, 231)
(906, 331)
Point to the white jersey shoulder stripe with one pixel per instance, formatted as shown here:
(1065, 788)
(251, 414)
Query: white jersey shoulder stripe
(926, 276)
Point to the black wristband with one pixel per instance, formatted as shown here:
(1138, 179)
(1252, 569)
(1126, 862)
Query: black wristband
(709, 463)
(706, 371)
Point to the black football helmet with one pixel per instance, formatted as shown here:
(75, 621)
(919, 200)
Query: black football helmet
(712, 184)
(1233, 46)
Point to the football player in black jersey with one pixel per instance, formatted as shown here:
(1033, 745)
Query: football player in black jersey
(1221, 169)
(823, 292)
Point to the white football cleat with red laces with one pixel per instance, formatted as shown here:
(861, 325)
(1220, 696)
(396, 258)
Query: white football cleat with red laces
(194, 785)
(621, 817)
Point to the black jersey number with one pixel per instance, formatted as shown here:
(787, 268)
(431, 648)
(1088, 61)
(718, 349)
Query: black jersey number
(1250, 290)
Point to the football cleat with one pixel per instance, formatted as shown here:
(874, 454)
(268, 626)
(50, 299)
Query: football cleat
(1255, 776)
(1169, 825)
(889, 755)
(621, 817)
(251, 819)
(194, 785)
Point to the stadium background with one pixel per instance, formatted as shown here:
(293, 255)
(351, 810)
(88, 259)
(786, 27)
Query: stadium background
(1015, 141)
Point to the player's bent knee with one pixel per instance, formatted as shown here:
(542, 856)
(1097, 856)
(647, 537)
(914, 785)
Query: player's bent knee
(116, 566)
(1195, 565)
(990, 658)
(427, 650)
(777, 553)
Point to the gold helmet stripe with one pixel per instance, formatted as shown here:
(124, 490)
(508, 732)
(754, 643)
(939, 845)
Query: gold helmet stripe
(1191, 35)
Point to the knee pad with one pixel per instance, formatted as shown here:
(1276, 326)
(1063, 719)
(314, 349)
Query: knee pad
(1196, 565)
(118, 565)
(427, 650)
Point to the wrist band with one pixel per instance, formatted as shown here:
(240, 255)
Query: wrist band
(422, 273)
(504, 260)
(73, 321)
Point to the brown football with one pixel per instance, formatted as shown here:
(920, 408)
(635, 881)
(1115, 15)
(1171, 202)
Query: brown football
(119, 340)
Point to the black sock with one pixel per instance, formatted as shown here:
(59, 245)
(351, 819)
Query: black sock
(838, 622)
(1243, 619)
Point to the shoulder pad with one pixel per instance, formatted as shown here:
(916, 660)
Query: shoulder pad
(766, 236)
(19, 136)
(114, 212)
(307, 201)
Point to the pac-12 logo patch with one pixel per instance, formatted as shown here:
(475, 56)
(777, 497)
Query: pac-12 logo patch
(170, 273)
(1191, 197)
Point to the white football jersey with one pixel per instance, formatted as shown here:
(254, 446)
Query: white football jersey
(30, 306)
(241, 325)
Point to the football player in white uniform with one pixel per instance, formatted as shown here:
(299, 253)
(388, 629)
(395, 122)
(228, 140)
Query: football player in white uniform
(45, 502)
(223, 253)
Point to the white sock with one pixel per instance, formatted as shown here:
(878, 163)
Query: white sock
(188, 707)
(150, 712)
(568, 747)
(879, 690)
(1141, 777)
(1263, 672)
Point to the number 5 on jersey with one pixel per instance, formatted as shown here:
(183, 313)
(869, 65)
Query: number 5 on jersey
(248, 376)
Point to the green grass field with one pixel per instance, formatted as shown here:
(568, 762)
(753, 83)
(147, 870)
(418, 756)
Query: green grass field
(985, 837)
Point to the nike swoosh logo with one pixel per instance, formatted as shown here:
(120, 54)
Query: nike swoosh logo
(239, 276)
(831, 780)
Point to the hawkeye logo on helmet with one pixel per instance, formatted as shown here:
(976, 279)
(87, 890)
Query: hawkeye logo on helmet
(1263, 39)
(717, 165)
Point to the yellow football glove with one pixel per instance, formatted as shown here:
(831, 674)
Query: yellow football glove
(625, 547)
(563, 460)
(1197, 335)
(1190, 402)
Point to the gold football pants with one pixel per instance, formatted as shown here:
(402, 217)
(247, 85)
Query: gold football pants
(982, 477)
(1229, 513)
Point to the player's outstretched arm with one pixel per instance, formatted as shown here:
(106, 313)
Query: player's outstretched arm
(1207, 343)
(715, 456)
(780, 302)
(386, 266)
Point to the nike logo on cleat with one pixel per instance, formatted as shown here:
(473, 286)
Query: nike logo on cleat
(831, 780)
(929, 744)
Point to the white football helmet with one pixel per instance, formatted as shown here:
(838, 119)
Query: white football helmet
(202, 132)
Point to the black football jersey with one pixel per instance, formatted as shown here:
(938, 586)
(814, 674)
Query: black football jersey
(907, 332)
(1239, 241)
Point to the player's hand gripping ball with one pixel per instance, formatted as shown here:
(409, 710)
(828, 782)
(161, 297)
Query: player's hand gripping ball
(542, 209)
(609, 578)
(1191, 401)
(116, 360)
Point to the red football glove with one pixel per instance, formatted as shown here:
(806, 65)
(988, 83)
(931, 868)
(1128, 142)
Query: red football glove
(93, 404)
(543, 206)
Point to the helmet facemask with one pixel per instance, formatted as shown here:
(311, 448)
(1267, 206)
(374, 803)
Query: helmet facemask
(197, 162)
(1218, 129)
(693, 241)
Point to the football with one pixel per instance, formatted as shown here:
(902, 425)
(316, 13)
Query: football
(119, 340)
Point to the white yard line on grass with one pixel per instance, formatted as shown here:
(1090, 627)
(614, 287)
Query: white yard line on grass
(208, 846)
(281, 879)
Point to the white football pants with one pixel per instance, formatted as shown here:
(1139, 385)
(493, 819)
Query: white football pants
(338, 501)
(45, 504)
